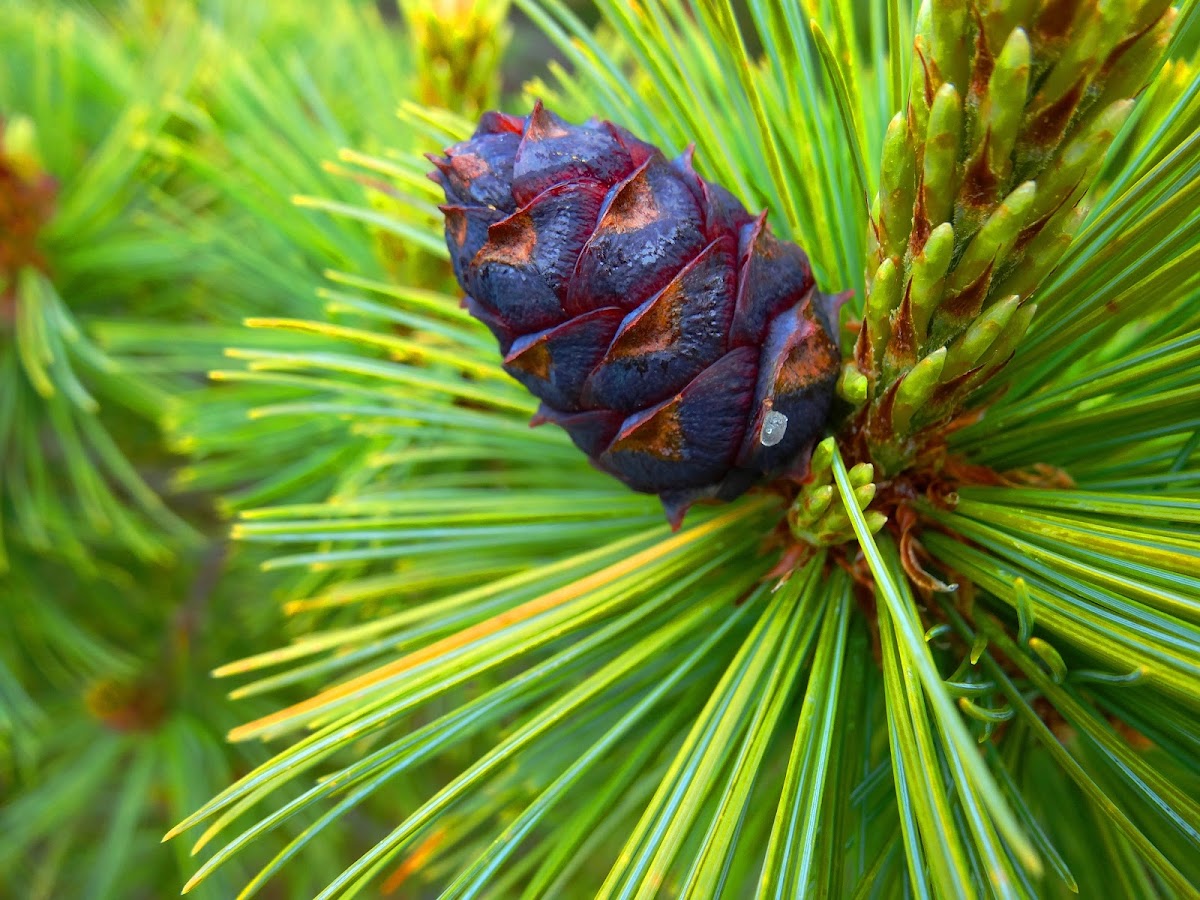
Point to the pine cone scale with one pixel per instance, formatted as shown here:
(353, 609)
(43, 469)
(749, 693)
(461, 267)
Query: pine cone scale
(668, 340)
(796, 360)
(554, 364)
(660, 324)
(772, 277)
(522, 270)
(640, 242)
(691, 438)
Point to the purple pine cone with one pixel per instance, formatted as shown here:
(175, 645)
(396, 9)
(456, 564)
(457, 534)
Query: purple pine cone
(680, 344)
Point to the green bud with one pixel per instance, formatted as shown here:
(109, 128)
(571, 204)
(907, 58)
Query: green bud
(1043, 252)
(1095, 32)
(1135, 66)
(875, 521)
(949, 40)
(921, 90)
(995, 239)
(897, 187)
(863, 495)
(1005, 102)
(1080, 159)
(941, 155)
(917, 388)
(1065, 88)
(928, 274)
(808, 509)
(1010, 338)
(860, 474)
(902, 351)
(816, 503)
(852, 385)
(882, 300)
(821, 463)
(835, 528)
(981, 334)
(1000, 17)
(1012, 107)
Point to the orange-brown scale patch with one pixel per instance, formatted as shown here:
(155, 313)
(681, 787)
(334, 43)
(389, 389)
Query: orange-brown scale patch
(864, 354)
(945, 392)
(902, 342)
(926, 75)
(985, 62)
(25, 208)
(879, 422)
(1125, 43)
(26, 205)
(921, 226)
(1045, 128)
(456, 224)
(979, 184)
(634, 207)
(811, 360)
(469, 166)
(1069, 198)
(656, 329)
(534, 359)
(876, 228)
(660, 435)
(510, 242)
(968, 303)
(1032, 230)
(912, 553)
(1057, 16)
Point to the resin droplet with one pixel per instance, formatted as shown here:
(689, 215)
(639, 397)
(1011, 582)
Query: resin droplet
(774, 427)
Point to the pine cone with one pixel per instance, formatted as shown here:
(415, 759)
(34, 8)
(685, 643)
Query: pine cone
(681, 345)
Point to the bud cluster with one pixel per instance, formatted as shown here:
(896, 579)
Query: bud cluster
(1011, 111)
(819, 516)
(459, 45)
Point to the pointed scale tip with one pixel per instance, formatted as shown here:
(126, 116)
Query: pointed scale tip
(442, 167)
(543, 124)
(675, 508)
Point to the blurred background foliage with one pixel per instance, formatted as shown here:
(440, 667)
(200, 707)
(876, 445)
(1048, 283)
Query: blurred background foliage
(188, 167)
(154, 154)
